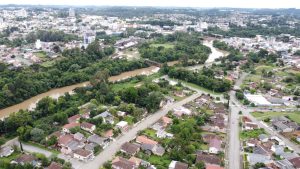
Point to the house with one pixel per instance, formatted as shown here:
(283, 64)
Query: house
(130, 148)
(178, 165)
(208, 158)
(145, 140)
(64, 140)
(208, 137)
(258, 158)
(121, 113)
(27, 159)
(296, 162)
(179, 111)
(135, 160)
(212, 166)
(281, 127)
(163, 134)
(153, 148)
(54, 165)
(88, 127)
(66, 128)
(250, 126)
(263, 138)
(74, 119)
(107, 117)
(252, 143)
(277, 149)
(284, 164)
(215, 146)
(166, 121)
(90, 146)
(6, 151)
(102, 141)
(80, 137)
(109, 134)
(123, 126)
(122, 163)
(83, 155)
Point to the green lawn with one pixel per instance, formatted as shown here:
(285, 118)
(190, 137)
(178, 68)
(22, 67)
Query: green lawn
(150, 132)
(244, 135)
(165, 45)
(199, 87)
(263, 67)
(11, 157)
(41, 55)
(295, 116)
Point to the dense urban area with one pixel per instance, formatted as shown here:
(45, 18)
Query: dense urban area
(149, 88)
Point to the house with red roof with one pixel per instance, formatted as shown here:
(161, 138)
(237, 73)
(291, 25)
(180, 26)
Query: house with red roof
(88, 127)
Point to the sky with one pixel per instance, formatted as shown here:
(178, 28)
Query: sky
(167, 3)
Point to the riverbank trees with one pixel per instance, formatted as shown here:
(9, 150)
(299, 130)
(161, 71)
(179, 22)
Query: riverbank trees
(76, 66)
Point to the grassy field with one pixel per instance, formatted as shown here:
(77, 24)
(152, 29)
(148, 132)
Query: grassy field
(200, 88)
(264, 67)
(41, 55)
(165, 45)
(295, 116)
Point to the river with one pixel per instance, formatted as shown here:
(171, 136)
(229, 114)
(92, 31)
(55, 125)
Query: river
(215, 54)
(30, 104)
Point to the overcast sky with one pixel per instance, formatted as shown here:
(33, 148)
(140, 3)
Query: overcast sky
(166, 3)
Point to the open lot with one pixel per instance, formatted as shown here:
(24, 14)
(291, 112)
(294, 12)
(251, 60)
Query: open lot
(165, 45)
(295, 116)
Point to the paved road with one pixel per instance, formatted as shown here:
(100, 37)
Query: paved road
(109, 152)
(234, 140)
(27, 147)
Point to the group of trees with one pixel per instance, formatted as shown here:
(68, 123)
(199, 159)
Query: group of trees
(76, 66)
(50, 36)
(251, 30)
(203, 78)
(185, 45)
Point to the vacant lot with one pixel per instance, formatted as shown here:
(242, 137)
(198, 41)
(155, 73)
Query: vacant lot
(295, 116)
(165, 45)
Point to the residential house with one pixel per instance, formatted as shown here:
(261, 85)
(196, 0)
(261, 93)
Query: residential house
(102, 141)
(109, 134)
(135, 160)
(178, 165)
(6, 151)
(107, 117)
(54, 165)
(121, 113)
(123, 126)
(83, 155)
(27, 159)
(208, 158)
(252, 142)
(145, 140)
(218, 123)
(80, 137)
(130, 148)
(215, 146)
(66, 128)
(74, 119)
(212, 166)
(156, 149)
(250, 126)
(258, 158)
(263, 138)
(284, 164)
(296, 162)
(88, 127)
(122, 163)
(179, 111)
(163, 134)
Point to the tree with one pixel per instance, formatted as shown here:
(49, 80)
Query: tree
(37, 134)
(100, 77)
(200, 165)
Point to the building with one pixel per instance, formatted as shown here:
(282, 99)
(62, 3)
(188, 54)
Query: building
(130, 149)
(123, 126)
(6, 151)
(215, 146)
(102, 141)
(122, 163)
(54, 165)
(83, 155)
(178, 165)
(88, 127)
(71, 12)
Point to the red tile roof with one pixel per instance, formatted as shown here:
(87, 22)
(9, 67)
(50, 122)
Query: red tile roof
(145, 140)
(86, 125)
(210, 166)
(65, 139)
(71, 125)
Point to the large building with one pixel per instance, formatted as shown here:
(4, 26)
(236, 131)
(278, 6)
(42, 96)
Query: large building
(71, 12)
